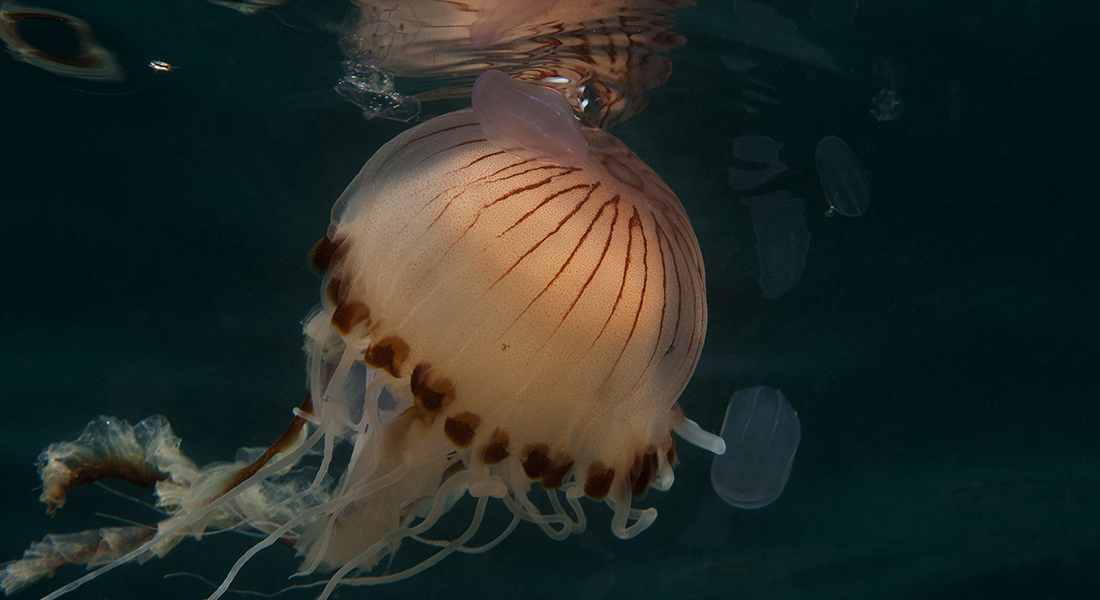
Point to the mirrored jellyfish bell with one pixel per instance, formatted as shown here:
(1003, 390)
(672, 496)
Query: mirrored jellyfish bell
(496, 17)
(761, 432)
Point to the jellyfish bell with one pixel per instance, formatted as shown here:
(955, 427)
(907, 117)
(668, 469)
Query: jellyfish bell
(539, 320)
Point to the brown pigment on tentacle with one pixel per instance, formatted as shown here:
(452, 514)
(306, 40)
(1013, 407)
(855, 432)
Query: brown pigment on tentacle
(282, 444)
(90, 472)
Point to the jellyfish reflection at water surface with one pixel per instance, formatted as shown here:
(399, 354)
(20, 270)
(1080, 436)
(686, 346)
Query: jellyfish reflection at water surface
(488, 322)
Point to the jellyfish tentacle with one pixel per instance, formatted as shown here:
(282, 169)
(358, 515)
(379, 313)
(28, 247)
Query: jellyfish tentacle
(522, 507)
(91, 548)
(390, 538)
(336, 382)
(331, 507)
(665, 473)
(577, 525)
(320, 553)
(582, 518)
(624, 513)
(172, 527)
(697, 436)
(366, 439)
(474, 549)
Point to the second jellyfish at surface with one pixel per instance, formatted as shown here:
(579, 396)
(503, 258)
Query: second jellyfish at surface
(761, 431)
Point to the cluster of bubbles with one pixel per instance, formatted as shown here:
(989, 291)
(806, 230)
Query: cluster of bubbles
(372, 90)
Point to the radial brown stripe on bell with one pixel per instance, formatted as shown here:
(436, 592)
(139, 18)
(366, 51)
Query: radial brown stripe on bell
(643, 473)
(387, 354)
(598, 484)
(497, 449)
(621, 172)
(349, 314)
(460, 429)
(431, 396)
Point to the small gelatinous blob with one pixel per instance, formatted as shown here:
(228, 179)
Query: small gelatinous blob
(762, 432)
(887, 104)
(496, 17)
(782, 240)
(834, 13)
(530, 121)
(843, 177)
(755, 148)
(93, 62)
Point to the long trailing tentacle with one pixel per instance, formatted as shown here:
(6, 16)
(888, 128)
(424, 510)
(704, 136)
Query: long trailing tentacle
(474, 549)
(168, 528)
(439, 507)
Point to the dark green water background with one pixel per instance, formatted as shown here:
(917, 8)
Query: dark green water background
(941, 349)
